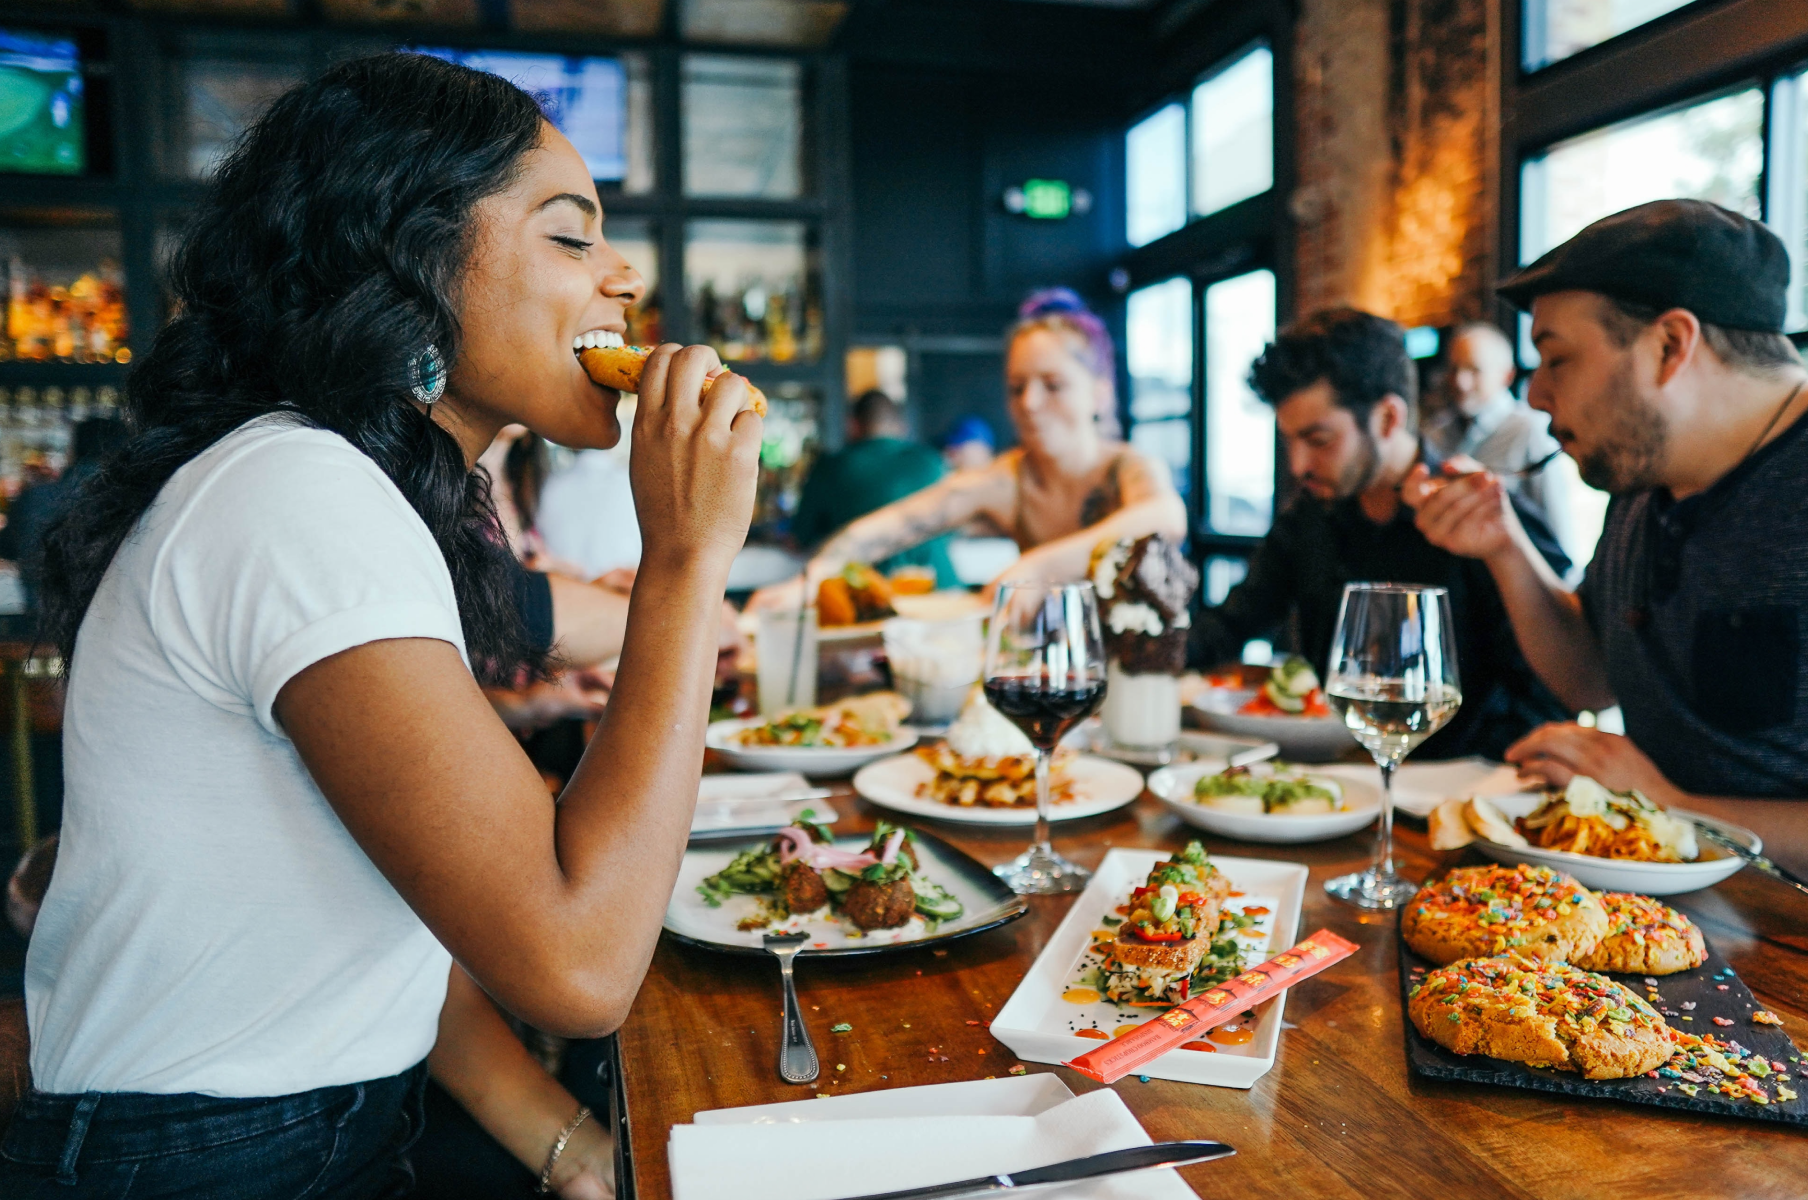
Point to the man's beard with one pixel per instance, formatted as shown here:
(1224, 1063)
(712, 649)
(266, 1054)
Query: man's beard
(1361, 472)
(1630, 454)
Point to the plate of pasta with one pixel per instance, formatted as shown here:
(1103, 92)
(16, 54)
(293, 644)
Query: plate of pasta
(1611, 841)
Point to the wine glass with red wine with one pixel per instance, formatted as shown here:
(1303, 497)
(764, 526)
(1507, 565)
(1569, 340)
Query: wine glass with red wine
(1045, 671)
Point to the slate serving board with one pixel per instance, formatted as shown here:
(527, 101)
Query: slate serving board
(1699, 986)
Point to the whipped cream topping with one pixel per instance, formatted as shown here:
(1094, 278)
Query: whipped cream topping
(981, 731)
(1134, 618)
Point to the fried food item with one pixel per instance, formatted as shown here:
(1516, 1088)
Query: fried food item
(619, 367)
(870, 720)
(858, 593)
(1174, 916)
(802, 887)
(1001, 782)
(912, 581)
(1644, 937)
(1536, 912)
(1587, 818)
(1540, 1014)
(881, 904)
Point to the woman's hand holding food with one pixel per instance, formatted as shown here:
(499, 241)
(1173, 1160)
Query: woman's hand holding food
(694, 465)
(1552, 754)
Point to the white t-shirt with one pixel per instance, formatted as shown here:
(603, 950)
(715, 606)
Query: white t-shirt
(211, 926)
(586, 514)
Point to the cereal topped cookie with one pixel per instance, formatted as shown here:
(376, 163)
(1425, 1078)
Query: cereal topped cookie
(1538, 912)
(1644, 938)
(1540, 1014)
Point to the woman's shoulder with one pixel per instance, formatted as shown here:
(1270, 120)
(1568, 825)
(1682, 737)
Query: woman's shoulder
(278, 471)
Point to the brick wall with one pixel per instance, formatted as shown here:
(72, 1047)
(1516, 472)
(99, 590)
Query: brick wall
(1398, 123)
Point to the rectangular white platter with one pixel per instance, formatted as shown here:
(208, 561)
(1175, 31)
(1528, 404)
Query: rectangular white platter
(1037, 1024)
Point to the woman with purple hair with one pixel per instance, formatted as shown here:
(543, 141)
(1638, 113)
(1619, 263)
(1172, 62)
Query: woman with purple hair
(1070, 484)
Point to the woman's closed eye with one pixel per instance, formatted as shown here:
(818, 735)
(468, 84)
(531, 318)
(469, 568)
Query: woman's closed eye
(576, 245)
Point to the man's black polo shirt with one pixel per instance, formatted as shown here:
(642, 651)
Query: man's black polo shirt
(1698, 605)
(1296, 581)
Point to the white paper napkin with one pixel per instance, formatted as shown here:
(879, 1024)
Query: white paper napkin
(749, 801)
(1421, 787)
(832, 1159)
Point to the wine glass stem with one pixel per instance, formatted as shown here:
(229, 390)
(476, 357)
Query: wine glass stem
(1384, 841)
(1042, 847)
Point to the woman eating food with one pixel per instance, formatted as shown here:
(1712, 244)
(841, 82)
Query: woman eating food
(1064, 490)
(289, 809)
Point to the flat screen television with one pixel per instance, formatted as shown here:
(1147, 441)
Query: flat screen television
(41, 104)
(585, 97)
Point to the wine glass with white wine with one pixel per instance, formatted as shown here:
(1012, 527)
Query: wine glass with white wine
(1393, 681)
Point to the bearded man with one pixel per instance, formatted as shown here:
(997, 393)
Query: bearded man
(1668, 380)
(1345, 398)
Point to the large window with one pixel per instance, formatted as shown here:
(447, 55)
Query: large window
(1787, 204)
(1709, 150)
(743, 126)
(1191, 160)
(1239, 427)
(1159, 332)
(1155, 175)
(1233, 133)
(1556, 29)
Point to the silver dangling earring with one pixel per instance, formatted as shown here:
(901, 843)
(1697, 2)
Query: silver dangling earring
(428, 375)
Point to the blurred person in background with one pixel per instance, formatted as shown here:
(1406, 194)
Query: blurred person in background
(1342, 387)
(1069, 484)
(1482, 419)
(878, 464)
(30, 514)
(969, 444)
(585, 514)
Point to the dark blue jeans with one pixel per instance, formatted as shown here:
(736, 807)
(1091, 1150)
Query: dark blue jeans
(348, 1142)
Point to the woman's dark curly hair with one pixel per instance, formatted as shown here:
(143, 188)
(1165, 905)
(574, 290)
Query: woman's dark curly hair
(327, 254)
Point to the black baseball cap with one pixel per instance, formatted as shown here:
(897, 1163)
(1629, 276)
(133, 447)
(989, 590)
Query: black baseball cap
(1727, 269)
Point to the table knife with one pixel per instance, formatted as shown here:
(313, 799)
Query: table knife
(1757, 860)
(1074, 1170)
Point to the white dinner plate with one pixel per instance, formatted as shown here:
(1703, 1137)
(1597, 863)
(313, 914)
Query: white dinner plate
(1089, 737)
(1419, 787)
(689, 918)
(1099, 785)
(810, 760)
(1646, 878)
(1301, 739)
(1039, 1023)
(1173, 786)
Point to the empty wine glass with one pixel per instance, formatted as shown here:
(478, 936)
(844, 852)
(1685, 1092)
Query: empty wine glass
(1045, 671)
(1393, 680)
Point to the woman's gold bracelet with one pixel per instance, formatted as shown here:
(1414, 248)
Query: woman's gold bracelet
(558, 1148)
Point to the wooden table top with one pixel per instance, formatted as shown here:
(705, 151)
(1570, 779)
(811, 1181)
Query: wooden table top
(1338, 1116)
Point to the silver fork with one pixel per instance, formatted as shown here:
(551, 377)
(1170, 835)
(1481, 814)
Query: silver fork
(796, 1056)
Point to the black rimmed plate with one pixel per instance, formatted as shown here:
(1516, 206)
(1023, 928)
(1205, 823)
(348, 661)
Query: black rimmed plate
(989, 904)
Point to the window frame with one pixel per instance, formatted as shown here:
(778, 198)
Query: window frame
(1251, 234)
(1691, 54)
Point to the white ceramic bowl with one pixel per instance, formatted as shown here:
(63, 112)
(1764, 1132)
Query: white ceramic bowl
(1645, 878)
(1173, 786)
(1301, 739)
(810, 760)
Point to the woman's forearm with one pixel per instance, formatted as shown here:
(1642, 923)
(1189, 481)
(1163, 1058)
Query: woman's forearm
(1065, 559)
(902, 524)
(483, 1065)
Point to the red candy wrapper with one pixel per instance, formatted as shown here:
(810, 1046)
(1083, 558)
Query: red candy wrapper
(1212, 1007)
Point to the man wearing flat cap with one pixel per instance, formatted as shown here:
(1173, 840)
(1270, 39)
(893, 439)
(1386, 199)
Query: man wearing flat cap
(1668, 379)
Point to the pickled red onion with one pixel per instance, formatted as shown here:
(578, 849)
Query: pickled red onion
(892, 843)
(795, 844)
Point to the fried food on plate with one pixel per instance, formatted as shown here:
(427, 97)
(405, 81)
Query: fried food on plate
(1540, 1014)
(1587, 818)
(1644, 937)
(1537, 912)
(985, 760)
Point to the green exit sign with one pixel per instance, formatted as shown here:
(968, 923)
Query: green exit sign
(1047, 199)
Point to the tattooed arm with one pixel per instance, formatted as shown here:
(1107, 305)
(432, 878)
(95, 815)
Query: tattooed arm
(1146, 503)
(938, 508)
